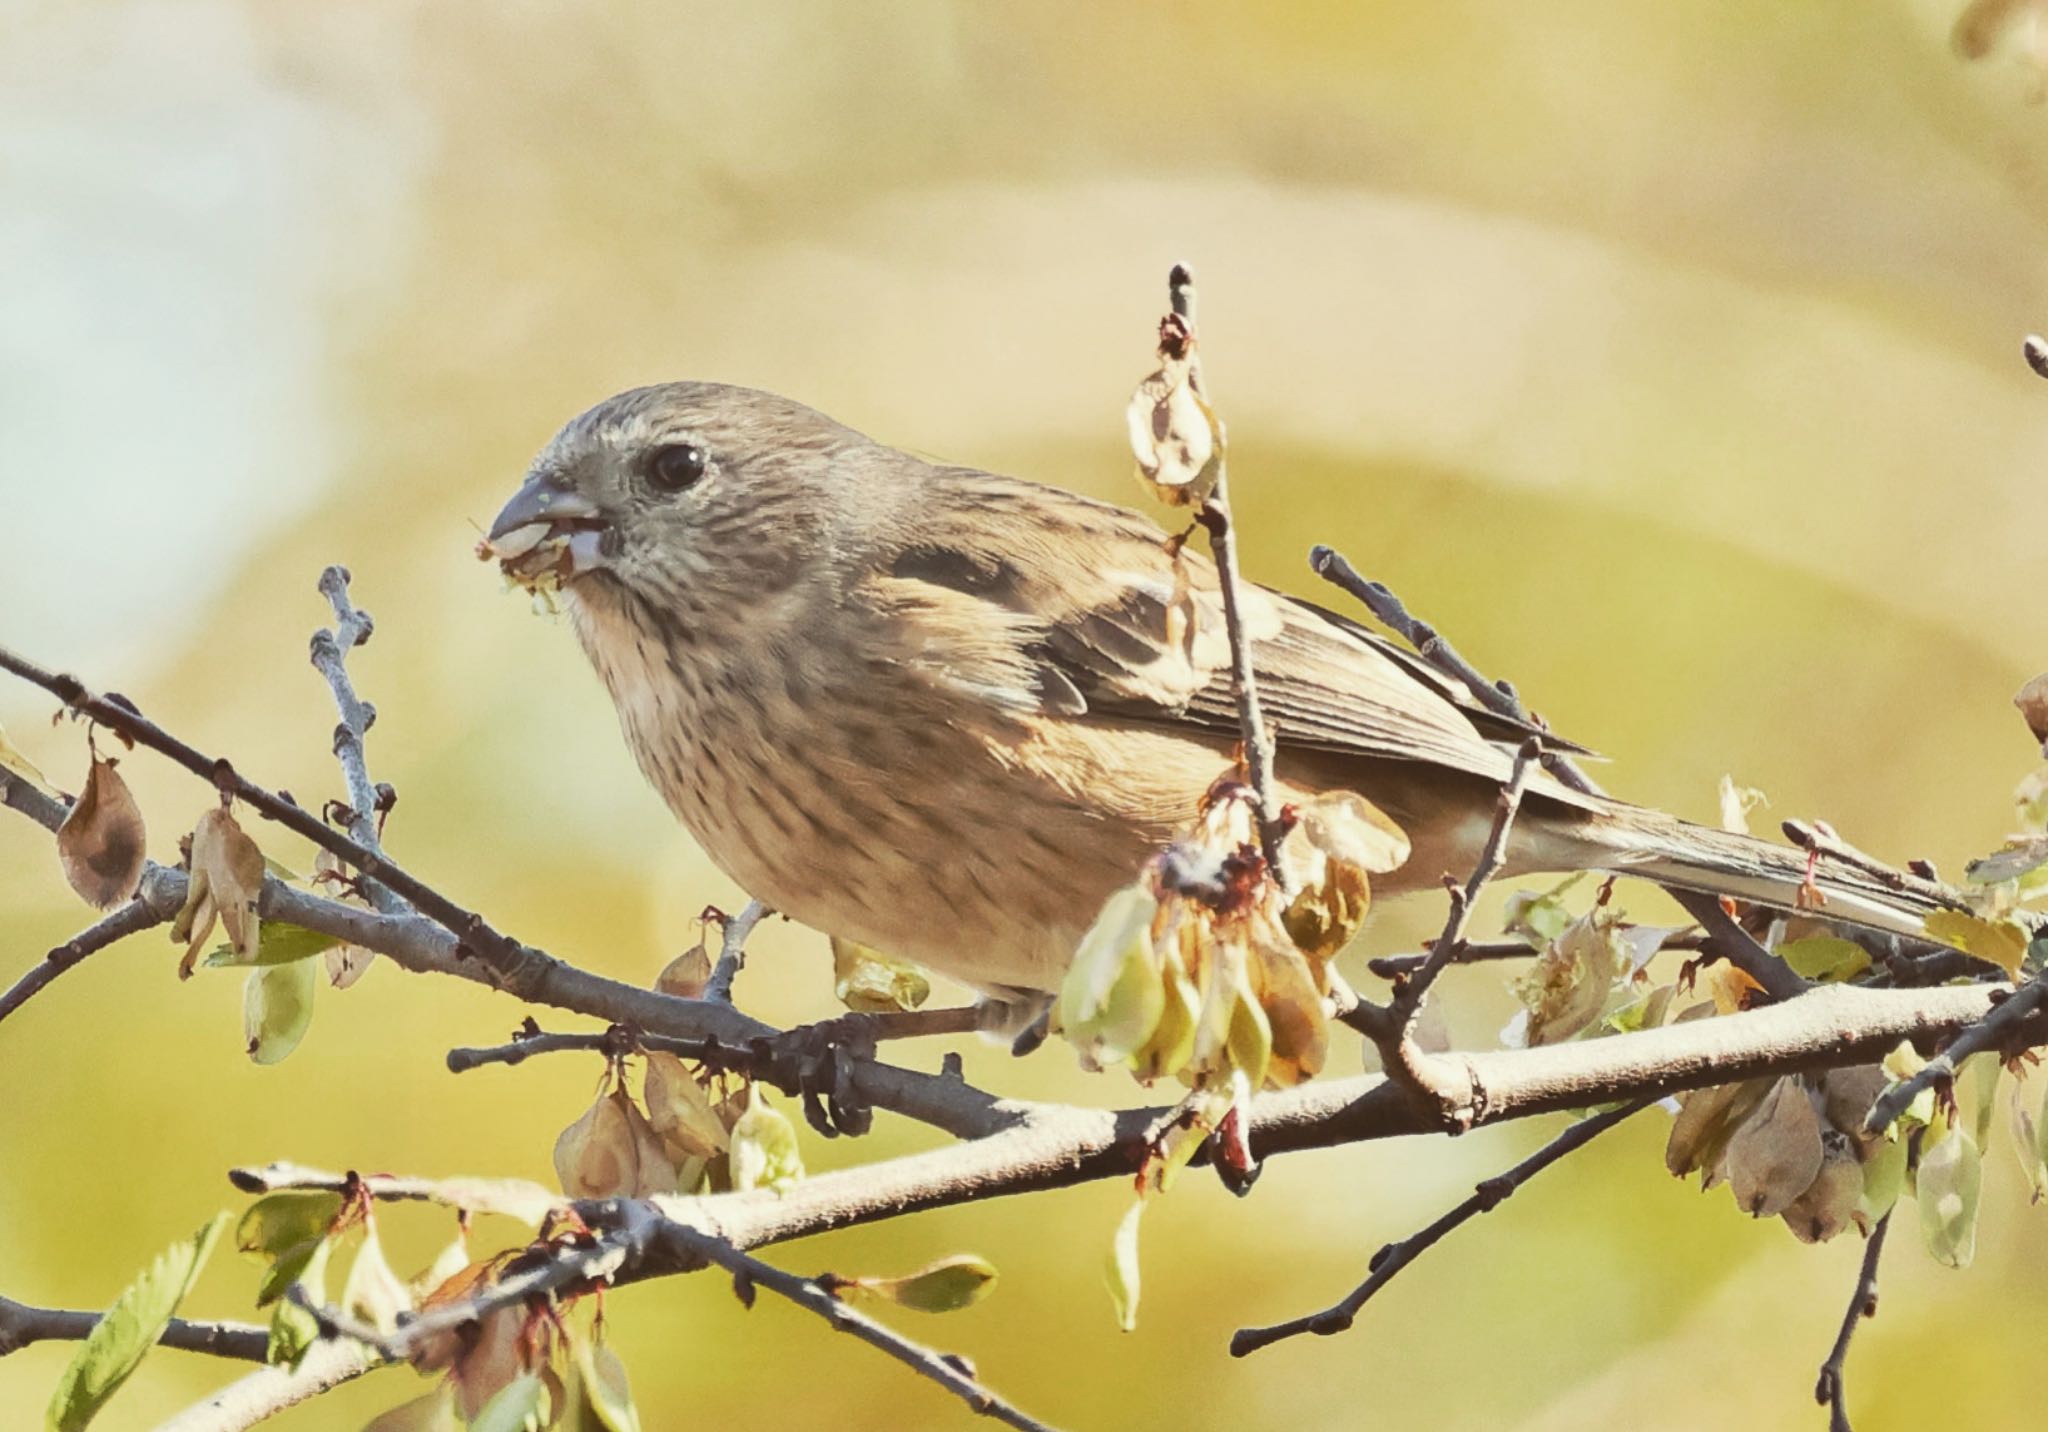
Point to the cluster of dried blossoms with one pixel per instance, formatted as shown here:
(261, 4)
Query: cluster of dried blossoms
(699, 1131)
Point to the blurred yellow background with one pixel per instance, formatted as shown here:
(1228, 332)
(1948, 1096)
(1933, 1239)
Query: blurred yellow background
(1667, 356)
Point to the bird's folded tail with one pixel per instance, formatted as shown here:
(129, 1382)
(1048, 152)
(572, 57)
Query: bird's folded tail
(1630, 840)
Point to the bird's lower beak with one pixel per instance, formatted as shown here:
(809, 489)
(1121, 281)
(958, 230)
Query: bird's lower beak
(545, 532)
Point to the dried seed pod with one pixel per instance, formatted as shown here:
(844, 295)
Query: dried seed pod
(1829, 1203)
(100, 844)
(598, 1156)
(1776, 1155)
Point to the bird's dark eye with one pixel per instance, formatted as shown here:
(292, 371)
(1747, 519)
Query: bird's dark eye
(675, 466)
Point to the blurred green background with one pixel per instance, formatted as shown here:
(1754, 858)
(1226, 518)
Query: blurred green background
(1668, 356)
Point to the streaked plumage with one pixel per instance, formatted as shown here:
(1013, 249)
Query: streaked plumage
(945, 713)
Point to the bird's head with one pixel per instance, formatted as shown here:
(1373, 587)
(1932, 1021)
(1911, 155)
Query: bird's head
(678, 492)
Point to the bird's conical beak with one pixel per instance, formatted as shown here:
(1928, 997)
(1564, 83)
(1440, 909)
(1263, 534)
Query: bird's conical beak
(542, 503)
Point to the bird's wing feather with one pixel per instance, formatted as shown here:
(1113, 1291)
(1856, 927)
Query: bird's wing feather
(1069, 606)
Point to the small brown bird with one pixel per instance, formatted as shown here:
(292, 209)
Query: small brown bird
(946, 713)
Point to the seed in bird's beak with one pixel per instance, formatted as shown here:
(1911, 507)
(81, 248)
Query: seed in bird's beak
(516, 543)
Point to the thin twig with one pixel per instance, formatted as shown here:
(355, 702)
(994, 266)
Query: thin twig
(137, 915)
(1436, 649)
(1829, 1392)
(1217, 519)
(1391, 1027)
(330, 657)
(21, 1324)
(948, 1371)
(1473, 952)
(1393, 1257)
(477, 935)
(1999, 1029)
(862, 1026)
(1727, 939)
(732, 950)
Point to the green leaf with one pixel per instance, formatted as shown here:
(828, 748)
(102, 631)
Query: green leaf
(277, 1008)
(1884, 1179)
(114, 1347)
(2002, 942)
(1825, 957)
(293, 1329)
(1948, 1183)
(1123, 1268)
(602, 1400)
(764, 1150)
(519, 1406)
(2027, 1141)
(279, 1221)
(945, 1287)
(1539, 916)
(276, 944)
(1113, 995)
(12, 760)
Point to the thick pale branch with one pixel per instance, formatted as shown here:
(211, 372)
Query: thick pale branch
(270, 1390)
(2011, 1025)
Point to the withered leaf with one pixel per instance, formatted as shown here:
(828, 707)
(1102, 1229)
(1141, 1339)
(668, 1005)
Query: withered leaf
(101, 841)
(227, 876)
(1174, 435)
(2032, 699)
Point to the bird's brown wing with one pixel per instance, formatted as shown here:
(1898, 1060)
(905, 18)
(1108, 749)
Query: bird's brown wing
(1048, 601)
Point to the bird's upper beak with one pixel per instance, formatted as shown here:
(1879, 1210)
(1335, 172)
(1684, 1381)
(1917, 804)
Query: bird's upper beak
(547, 527)
(542, 501)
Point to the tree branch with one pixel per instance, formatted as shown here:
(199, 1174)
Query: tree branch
(270, 1390)
(947, 1370)
(1393, 1257)
(352, 628)
(138, 914)
(1215, 517)
(1830, 1392)
(21, 1325)
(732, 949)
(2004, 1028)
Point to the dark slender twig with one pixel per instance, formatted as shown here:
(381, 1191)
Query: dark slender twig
(1473, 952)
(862, 1027)
(1445, 950)
(948, 1371)
(1253, 732)
(330, 657)
(2000, 1029)
(470, 927)
(21, 1324)
(1829, 1392)
(137, 915)
(1391, 1027)
(1727, 939)
(732, 949)
(1393, 1257)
